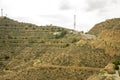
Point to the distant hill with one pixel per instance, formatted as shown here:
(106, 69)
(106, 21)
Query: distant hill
(4, 21)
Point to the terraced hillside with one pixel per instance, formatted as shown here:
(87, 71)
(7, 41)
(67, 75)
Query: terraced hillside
(31, 52)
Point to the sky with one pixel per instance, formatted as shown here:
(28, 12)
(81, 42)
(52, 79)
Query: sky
(61, 12)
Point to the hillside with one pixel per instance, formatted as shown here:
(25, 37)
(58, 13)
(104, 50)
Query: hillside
(108, 38)
(31, 52)
(108, 33)
(110, 24)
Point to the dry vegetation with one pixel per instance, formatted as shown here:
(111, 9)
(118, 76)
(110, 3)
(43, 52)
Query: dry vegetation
(110, 24)
(51, 73)
(30, 52)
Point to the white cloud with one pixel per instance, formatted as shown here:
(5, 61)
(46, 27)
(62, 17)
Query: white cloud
(60, 12)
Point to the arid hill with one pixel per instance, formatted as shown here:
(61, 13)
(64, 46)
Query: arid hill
(110, 24)
(31, 52)
(108, 36)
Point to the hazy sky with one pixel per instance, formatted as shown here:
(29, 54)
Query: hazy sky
(60, 12)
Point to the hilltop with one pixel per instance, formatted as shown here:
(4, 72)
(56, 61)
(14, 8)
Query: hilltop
(110, 24)
(50, 52)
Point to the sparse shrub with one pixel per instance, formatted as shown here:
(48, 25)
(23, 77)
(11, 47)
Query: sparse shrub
(74, 40)
(51, 36)
(30, 25)
(6, 24)
(57, 36)
(116, 62)
(10, 37)
(6, 57)
(116, 67)
(3, 41)
(61, 35)
(66, 45)
(32, 41)
(6, 68)
(15, 37)
(42, 41)
(34, 28)
(2, 66)
(12, 51)
(26, 28)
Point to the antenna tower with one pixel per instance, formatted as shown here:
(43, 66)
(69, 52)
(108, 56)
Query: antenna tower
(1, 12)
(74, 22)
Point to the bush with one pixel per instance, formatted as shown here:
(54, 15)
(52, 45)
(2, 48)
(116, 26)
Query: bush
(74, 40)
(10, 37)
(26, 28)
(66, 45)
(116, 67)
(6, 57)
(42, 41)
(116, 62)
(61, 35)
(2, 65)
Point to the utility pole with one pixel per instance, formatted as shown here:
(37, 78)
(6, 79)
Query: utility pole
(74, 22)
(1, 12)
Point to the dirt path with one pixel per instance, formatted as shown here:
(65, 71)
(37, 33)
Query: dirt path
(73, 67)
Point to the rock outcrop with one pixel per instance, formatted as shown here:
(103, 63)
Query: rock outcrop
(110, 68)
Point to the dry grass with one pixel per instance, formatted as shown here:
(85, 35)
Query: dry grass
(30, 52)
(51, 73)
(110, 24)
